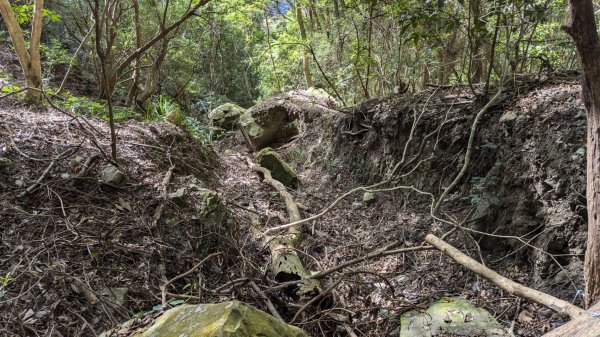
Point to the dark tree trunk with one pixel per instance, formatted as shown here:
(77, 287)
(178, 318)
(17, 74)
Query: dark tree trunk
(582, 28)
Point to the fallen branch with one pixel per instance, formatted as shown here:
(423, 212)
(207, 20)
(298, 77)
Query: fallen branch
(586, 325)
(285, 262)
(562, 307)
(265, 298)
(169, 282)
(39, 180)
(163, 197)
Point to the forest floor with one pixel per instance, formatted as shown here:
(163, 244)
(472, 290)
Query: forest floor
(70, 243)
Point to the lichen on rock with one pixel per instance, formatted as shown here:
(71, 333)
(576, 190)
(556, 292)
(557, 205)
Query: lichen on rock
(226, 319)
(226, 116)
(449, 315)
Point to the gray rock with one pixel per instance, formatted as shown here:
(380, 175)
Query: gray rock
(452, 316)
(117, 295)
(111, 175)
(508, 116)
(280, 170)
(226, 116)
(369, 198)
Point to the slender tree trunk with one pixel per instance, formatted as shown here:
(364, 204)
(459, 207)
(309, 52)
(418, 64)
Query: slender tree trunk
(135, 76)
(582, 28)
(305, 57)
(476, 59)
(29, 59)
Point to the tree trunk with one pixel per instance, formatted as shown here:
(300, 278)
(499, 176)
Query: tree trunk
(582, 28)
(29, 59)
(305, 57)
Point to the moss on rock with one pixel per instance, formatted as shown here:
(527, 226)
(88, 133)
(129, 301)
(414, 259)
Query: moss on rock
(226, 116)
(226, 319)
(455, 316)
(280, 170)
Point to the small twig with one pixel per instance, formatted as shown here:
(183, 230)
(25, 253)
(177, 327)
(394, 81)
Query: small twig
(38, 181)
(163, 196)
(268, 302)
(86, 165)
(169, 282)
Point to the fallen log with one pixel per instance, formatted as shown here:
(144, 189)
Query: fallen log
(560, 306)
(285, 262)
(586, 325)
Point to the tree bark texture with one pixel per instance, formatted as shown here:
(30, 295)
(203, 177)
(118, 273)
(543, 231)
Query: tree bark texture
(582, 28)
(30, 59)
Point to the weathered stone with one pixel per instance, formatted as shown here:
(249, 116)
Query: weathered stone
(111, 175)
(508, 116)
(117, 295)
(274, 118)
(179, 197)
(369, 198)
(452, 316)
(226, 116)
(226, 319)
(280, 171)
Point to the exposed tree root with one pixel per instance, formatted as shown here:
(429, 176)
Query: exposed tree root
(285, 262)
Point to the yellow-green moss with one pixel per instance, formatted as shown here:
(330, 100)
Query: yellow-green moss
(280, 171)
(226, 319)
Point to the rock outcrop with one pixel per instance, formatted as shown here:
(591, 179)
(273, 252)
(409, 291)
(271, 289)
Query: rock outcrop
(276, 118)
(226, 319)
(226, 116)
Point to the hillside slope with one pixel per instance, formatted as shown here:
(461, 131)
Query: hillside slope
(71, 243)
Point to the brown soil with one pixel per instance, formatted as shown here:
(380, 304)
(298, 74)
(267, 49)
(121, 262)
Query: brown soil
(73, 237)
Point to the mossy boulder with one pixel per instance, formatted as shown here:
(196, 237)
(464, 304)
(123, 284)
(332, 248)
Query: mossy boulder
(226, 319)
(452, 316)
(369, 198)
(280, 170)
(226, 116)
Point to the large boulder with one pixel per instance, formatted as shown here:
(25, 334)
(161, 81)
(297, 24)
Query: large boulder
(280, 170)
(226, 319)
(275, 118)
(450, 316)
(226, 116)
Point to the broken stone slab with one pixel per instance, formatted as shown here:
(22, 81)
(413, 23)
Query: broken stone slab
(451, 316)
(226, 319)
(213, 207)
(111, 175)
(280, 170)
(226, 116)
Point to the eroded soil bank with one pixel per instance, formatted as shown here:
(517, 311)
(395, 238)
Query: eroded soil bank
(70, 242)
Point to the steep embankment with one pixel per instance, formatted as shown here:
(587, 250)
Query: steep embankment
(73, 244)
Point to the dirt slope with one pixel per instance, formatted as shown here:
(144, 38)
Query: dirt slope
(72, 238)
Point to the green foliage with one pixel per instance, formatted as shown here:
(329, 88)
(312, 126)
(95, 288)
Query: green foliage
(24, 13)
(7, 89)
(198, 130)
(160, 107)
(85, 106)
